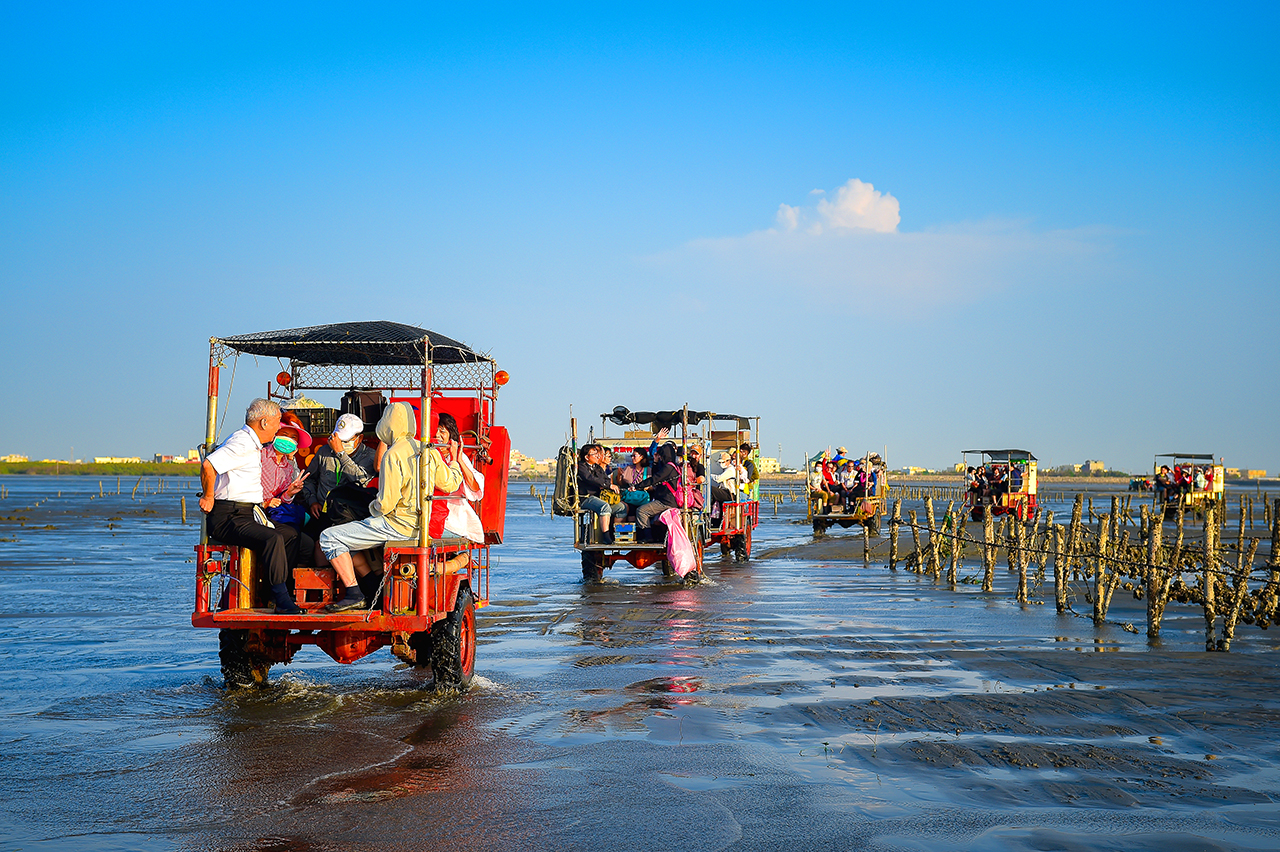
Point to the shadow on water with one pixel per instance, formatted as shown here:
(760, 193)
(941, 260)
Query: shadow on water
(784, 700)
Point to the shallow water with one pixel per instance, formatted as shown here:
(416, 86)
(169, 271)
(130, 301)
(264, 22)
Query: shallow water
(783, 700)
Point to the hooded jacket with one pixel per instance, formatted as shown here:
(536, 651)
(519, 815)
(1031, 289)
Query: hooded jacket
(397, 499)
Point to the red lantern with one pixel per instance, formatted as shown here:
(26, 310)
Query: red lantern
(283, 379)
(501, 377)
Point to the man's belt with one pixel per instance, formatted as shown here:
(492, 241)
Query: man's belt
(237, 503)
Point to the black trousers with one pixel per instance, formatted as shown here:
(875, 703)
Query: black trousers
(233, 523)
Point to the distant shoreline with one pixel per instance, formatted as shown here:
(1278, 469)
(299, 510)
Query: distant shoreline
(104, 469)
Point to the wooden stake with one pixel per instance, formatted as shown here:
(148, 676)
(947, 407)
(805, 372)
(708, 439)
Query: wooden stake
(894, 521)
(989, 551)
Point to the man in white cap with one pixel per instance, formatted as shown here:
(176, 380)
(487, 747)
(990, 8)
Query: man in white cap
(337, 477)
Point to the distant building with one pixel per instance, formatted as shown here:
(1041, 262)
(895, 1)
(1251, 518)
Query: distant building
(13, 457)
(1254, 474)
(193, 455)
(117, 459)
(769, 466)
(1232, 473)
(1095, 466)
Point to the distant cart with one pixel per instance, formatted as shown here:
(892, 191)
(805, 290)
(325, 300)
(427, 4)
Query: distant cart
(865, 509)
(1014, 494)
(1188, 482)
(732, 531)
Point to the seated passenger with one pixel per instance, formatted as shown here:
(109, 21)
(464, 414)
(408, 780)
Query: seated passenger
(337, 476)
(727, 485)
(752, 488)
(1200, 481)
(455, 515)
(1164, 484)
(281, 480)
(592, 481)
(1015, 478)
(661, 487)
(230, 490)
(637, 469)
(394, 513)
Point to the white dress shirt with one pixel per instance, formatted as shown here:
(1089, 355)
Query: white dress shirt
(238, 463)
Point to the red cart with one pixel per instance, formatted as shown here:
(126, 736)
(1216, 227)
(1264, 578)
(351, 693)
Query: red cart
(423, 612)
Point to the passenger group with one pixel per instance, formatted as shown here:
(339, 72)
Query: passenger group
(359, 491)
(653, 480)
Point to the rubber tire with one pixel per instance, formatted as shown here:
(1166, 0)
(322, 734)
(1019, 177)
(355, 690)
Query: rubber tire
(873, 525)
(453, 646)
(739, 545)
(592, 568)
(240, 669)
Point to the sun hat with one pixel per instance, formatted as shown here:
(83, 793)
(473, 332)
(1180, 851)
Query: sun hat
(289, 420)
(348, 426)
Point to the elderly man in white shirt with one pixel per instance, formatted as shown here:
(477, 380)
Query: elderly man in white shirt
(230, 488)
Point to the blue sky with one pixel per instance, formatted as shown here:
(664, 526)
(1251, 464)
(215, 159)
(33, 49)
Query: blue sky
(916, 227)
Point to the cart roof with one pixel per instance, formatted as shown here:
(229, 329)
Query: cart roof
(355, 343)
(623, 416)
(1004, 455)
(1196, 456)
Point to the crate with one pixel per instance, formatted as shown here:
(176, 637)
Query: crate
(624, 533)
(319, 422)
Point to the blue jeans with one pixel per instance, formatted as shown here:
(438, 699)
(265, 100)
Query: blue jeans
(596, 506)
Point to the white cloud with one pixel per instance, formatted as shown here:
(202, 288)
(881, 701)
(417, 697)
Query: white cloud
(848, 247)
(857, 206)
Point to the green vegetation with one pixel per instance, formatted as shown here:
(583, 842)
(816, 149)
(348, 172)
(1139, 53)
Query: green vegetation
(124, 469)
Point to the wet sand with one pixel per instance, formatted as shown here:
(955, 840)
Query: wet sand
(794, 700)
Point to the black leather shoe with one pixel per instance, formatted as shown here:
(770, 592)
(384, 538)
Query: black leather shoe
(353, 599)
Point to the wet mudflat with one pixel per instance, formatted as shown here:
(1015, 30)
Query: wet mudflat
(791, 700)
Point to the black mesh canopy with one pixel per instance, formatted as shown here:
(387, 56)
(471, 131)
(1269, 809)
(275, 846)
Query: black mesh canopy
(666, 419)
(1005, 455)
(355, 344)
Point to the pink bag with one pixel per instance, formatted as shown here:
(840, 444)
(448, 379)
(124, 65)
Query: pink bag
(686, 491)
(679, 549)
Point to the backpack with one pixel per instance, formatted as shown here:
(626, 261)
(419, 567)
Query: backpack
(690, 495)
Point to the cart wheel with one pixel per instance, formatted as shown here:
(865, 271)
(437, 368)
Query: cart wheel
(873, 525)
(740, 547)
(453, 650)
(241, 669)
(724, 547)
(592, 567)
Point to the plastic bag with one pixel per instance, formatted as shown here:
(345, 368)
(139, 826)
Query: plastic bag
(680, 553)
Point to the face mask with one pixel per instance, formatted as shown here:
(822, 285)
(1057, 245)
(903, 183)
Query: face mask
(285, 445)
(349, 447)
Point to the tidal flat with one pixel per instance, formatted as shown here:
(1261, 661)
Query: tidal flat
(797, 699)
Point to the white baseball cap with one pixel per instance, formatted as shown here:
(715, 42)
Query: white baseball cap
(349, 425)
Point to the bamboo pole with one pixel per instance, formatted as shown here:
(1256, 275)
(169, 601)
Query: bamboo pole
(957, 544)
(915, 539)
(1104, 536)
(1210, 563)
(1154, 587)
(932, 564)
(183, 501)
(1059, 570)
(894, 521)
(1240, 588)
(1020, 534)
(988, 551)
